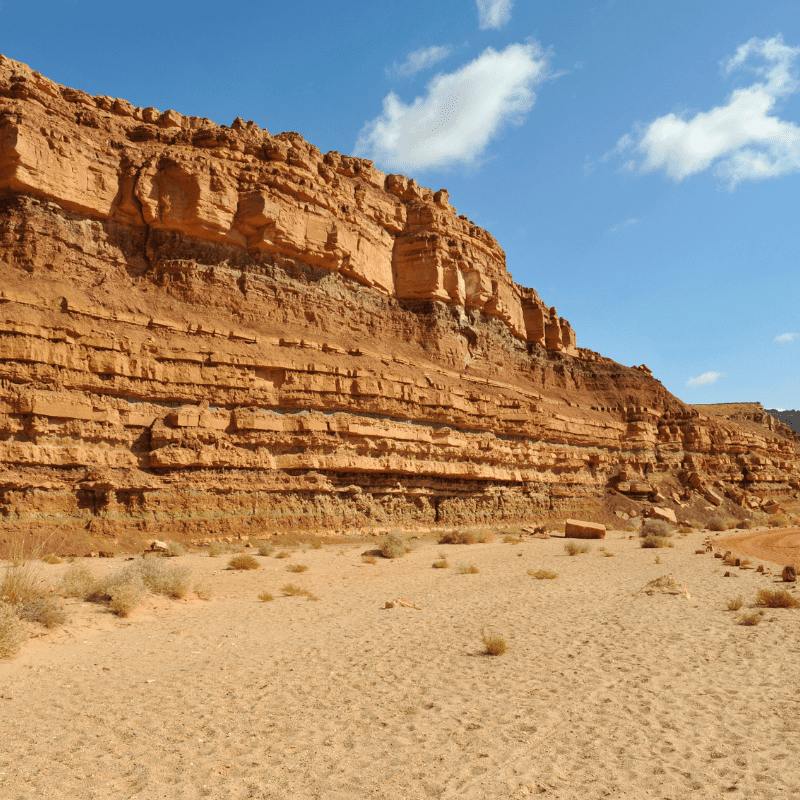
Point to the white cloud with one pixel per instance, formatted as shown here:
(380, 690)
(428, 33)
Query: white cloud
(494, 13)
(460, 112)
(420, 59)
(743, 139)
(622, 225)
(787, 338)
(705, 378)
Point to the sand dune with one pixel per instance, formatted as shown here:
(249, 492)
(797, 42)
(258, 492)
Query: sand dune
(604, 691)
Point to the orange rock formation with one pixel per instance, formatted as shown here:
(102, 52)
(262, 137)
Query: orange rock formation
(214, 329)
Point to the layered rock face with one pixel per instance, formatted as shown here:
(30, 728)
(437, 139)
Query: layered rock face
(211, 328)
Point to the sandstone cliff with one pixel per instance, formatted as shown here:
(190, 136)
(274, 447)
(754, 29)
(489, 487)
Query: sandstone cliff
(211, 328)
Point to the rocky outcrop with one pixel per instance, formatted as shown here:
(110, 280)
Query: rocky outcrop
(211, 328)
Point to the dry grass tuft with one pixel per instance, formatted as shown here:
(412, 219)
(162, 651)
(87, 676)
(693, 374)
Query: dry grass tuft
(779, 521)
(656, 541)
(316, 544)
(266, 548)
(735, 603)
(266, 597)
(494, 643)
(542, 574)
(243, 562)
(575, 549)
(392, 546)
(509, 539)
(749, 619)
(467, 537)
(12, 631)
(216, 549)
(776, 598)
(45, 611)
(441, 563)
(126, 595)
(51, 559)
(655, 527)
(468, 569)
(283, 554)
(160, 578)
(175, 549)
(78, 581)
(717, 523)
(22, 581)
(606, 553)
(291, 590)
(296, 568)
(368, 559)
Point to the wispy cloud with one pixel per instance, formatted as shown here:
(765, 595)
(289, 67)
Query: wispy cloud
(459, 114)
(743, 139)
(787, 338)
(494, 13)
(705, 378)
(420, 59)
(622, 225)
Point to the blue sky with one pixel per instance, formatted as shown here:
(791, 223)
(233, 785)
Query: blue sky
(638, 162)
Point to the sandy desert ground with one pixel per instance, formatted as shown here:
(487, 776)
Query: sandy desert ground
(604, 692)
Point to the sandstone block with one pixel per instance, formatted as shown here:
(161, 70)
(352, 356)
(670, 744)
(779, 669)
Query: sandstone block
(712, 497)
(789, 574)
(666, 514)
(641, 488)
(578, 529)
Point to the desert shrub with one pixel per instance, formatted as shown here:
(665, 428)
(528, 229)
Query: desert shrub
(52, 558)
(392, 546)
(744, 524)
(656, 541)
(779, 521)
(12, 631)
(509, 539)
(45, 611)
(266, 548)
(78, 581)
(174, 549)
(216, 549)
(441, 563)
(542, 574)
(467, 537)
(606, 553)
(575, 549)
(283, 554)
(717, 523)
(160, 578)
(735, 603)
(776, 598)
(126, 595)
(266, 597)
(316, 544)
(468, 569)
(749, 619)
(494, 643)
(243, 562)
(655, 527)
(296, 568)
(368, 558)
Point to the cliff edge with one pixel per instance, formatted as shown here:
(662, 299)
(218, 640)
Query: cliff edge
(215, 330)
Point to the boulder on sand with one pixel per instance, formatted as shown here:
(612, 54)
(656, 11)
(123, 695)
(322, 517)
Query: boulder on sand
(577, 529)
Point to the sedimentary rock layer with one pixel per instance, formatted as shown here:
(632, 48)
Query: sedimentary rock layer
(211, 327)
